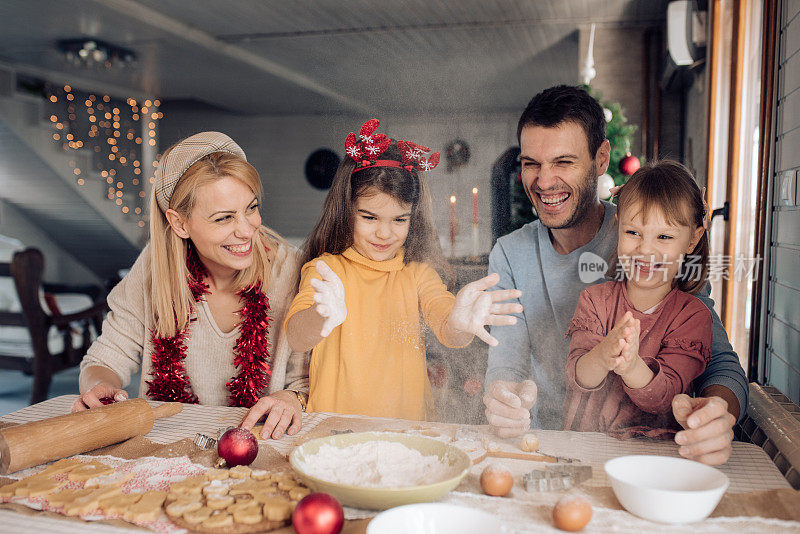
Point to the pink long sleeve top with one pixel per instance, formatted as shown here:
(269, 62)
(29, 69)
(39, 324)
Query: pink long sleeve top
(675, 342)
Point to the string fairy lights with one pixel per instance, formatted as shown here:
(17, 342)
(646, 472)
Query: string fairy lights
(116, 135)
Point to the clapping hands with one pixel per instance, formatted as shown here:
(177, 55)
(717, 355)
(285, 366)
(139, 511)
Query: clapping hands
(628, 330)
(620, 348)
(618, 352)
(475, 308)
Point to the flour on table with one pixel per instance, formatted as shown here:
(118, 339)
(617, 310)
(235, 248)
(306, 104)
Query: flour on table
(377, 464)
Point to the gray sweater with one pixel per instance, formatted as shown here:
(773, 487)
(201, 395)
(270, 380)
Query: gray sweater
(209, 351)
(535, 348)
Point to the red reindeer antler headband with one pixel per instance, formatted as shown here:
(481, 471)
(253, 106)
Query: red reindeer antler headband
(366, 148)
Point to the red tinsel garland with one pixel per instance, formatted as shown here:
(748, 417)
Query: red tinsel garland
(251, 352)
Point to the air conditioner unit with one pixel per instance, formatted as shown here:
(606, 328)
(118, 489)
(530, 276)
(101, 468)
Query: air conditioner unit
(686, 32)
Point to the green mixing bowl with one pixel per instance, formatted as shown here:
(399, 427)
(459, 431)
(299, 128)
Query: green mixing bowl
(382, 498)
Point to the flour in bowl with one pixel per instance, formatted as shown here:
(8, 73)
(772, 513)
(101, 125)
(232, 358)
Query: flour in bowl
(376, 464)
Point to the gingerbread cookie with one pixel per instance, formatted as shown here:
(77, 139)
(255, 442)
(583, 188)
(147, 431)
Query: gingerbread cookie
(117, 478)
(190, 485)
(217, 474)
(117, 504)
(90, 502)
(147, 508)
(191, 518)
(246, 514)
(40, 487)
(260, 474)
(89, 470)
(240, 471)
(61, 466)
(180, 506)
(237, 501)
(20, 487)
(64, 496)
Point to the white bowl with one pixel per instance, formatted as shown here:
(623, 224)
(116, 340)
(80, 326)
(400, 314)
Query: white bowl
(434, 518)
(664, 489)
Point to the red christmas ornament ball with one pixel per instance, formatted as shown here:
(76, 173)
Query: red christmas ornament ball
(318, 513)
(237, 446)
(629, 165)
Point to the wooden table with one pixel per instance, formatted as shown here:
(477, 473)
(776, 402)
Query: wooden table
(749, 468)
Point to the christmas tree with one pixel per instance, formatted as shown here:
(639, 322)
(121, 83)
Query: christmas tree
(618, 132)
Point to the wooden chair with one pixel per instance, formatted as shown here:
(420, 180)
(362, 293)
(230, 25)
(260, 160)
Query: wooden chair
(27, 268)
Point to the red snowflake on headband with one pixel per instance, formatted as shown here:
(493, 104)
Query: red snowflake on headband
(366, 148)
(413, 153)
(367, 145)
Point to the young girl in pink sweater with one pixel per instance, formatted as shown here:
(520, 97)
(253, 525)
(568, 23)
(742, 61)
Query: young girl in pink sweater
(641, 339)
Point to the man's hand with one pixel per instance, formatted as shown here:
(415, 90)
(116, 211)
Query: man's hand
(708, 428)
(508, 407)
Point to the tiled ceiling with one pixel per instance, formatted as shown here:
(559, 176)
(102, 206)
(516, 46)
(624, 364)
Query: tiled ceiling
(325, 56)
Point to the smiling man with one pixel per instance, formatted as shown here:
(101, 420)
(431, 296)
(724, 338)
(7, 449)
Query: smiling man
(563, 152)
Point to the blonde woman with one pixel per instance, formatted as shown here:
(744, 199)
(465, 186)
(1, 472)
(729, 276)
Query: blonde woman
(201, 310)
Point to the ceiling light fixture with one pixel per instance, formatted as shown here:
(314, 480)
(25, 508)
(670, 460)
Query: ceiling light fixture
(93, 53)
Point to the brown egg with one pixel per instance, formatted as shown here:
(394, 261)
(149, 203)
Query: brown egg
(497, 481)
(572, 513)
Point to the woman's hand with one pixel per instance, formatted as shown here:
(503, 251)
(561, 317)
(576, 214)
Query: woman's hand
(329, 297)
(476, 308)
(91, 398)
(284, 414)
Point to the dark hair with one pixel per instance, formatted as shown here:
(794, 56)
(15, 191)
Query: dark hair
(669, 187)
(333, 232)
(566, 103)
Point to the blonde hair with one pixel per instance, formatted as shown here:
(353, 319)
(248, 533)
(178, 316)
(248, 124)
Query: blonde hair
(169, 289)
(669, 187)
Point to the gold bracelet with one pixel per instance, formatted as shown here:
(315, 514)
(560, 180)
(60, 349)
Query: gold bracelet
(301, 398)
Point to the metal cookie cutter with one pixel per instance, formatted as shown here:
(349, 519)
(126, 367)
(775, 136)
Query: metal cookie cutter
(558, 477)
(205, 442)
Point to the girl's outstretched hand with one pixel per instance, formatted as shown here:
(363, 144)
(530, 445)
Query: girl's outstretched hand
(475, 308)
(329, 296)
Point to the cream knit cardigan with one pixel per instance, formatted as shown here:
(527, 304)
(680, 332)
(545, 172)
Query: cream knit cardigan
(209, 355)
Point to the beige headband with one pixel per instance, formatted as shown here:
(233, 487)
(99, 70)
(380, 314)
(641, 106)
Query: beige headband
(185, 154)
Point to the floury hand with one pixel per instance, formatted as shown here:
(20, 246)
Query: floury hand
(508, 406)
(329, 296)
(476, 308)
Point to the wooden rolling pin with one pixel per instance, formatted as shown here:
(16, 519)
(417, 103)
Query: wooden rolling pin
(35, 443)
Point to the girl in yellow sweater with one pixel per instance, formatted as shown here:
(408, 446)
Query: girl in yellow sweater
(369, 273)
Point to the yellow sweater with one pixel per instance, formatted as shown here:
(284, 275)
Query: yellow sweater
(374, 363)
